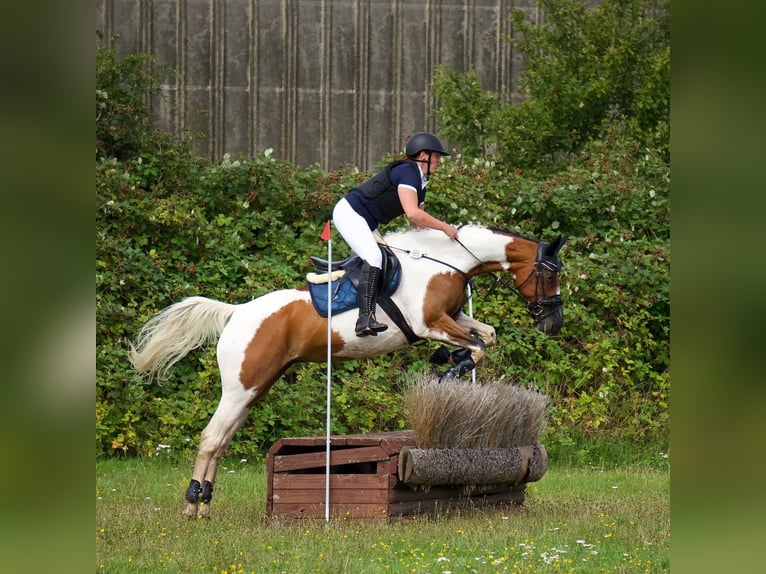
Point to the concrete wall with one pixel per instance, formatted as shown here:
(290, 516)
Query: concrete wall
(319, 81)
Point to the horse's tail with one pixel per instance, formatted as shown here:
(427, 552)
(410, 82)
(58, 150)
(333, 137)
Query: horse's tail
(175, 331)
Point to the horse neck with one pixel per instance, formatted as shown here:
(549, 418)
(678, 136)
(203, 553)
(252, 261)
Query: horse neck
(494, 250)
(481, 250)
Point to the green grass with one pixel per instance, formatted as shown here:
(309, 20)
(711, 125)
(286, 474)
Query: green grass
(576, 519)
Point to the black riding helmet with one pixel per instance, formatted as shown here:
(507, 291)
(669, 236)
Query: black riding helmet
(424, 141)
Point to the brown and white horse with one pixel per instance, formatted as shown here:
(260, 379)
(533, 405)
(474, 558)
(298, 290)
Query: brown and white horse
(259, 340)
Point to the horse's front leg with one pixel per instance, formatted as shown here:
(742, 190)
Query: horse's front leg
(446, 329)
(485, 332)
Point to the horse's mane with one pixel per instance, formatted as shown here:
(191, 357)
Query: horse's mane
(412, 231)
(509, 232)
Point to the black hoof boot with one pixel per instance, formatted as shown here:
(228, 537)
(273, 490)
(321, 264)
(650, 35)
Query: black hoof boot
(207, 492)
(460, 355)
(458, 370)
(440, 356)
(192, 491)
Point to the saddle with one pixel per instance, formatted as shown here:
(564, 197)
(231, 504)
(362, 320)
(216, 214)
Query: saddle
(345, 276)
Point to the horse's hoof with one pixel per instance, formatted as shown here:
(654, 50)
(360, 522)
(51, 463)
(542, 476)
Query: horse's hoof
(190, 511)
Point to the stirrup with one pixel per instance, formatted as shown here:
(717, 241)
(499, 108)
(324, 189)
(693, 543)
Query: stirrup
(368, 325)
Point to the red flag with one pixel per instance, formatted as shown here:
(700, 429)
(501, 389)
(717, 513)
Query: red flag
(326, 231)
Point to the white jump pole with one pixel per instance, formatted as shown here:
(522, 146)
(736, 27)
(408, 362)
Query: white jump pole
(326, 235)
(470, 314)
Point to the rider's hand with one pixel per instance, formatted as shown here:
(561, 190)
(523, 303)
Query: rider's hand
(451, 231)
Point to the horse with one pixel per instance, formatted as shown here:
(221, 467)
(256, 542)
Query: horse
(260, 339)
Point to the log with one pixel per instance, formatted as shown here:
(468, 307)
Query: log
(472, 466)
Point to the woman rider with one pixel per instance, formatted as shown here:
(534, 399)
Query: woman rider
(398, 189)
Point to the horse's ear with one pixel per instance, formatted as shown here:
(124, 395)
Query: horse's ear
(555, 246)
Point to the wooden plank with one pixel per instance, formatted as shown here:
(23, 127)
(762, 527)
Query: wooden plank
(269, 490)
(430, 505)
(390, 441)
(407, 494)
(403, 494)
(297, 510)
(286, 481)
(394, 441)
(389, 466)
(296, 441)
(284, 463)
(338, 496)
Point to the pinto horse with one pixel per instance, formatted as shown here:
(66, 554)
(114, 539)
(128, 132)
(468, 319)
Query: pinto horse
(259, 340)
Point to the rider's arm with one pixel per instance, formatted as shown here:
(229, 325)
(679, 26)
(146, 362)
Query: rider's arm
(417, 214)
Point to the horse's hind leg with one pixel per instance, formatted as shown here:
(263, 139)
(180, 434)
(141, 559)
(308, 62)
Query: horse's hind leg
(228, 417)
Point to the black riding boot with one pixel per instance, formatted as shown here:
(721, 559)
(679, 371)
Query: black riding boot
(367, 296)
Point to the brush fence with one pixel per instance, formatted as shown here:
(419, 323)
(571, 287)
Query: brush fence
(384, 475)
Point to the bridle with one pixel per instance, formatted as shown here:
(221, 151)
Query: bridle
(540, 307)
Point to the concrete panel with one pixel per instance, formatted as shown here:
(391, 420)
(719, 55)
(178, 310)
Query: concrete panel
(196, 117)
(125, 23)
(309, 45)
(164, 32)
(453, 43)
(235, 137)
(237, 44)
(198, 63)
(344, 85)
(307, 137)
(382, 52)
(269, 123)
(102, 20)
(328, 81)
(342, 130)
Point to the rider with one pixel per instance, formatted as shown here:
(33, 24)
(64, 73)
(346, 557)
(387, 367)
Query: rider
(397, 189)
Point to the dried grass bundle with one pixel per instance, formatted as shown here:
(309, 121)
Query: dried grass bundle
(461, 414)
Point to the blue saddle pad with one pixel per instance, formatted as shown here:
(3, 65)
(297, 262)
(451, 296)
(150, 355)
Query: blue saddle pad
(344, 294)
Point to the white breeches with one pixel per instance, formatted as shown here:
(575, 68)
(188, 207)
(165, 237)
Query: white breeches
(356, 232)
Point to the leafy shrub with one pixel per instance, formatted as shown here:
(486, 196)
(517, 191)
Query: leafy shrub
(123, 87)
(237, 230)
(466, 112)
(584, 67)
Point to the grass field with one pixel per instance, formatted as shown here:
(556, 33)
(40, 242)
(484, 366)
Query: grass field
(576, 519)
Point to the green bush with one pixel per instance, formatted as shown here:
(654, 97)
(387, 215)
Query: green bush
(123, 88)
(237, 230)
(584, 68)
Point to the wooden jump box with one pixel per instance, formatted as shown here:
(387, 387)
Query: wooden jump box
(363, 480)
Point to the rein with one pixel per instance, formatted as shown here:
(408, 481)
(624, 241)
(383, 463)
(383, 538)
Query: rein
(501, 280)
(417, 254)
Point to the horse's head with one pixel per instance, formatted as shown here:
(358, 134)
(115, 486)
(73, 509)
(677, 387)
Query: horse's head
(538, 283)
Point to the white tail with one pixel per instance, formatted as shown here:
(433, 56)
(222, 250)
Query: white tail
(175, 331)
